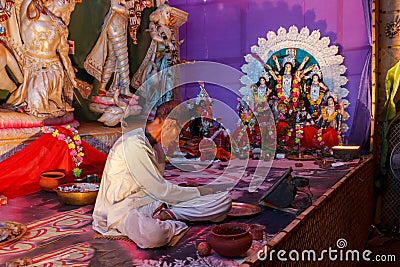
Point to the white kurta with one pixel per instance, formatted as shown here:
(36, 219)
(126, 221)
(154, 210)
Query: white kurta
(133, 186)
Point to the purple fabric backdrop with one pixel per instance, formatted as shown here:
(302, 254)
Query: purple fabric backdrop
(224, 30)
(360, 131)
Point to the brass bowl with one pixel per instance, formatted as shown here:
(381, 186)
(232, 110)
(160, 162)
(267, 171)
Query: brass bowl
(77, 198)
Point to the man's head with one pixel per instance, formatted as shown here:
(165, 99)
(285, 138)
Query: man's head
(165, 109)
(166, 125)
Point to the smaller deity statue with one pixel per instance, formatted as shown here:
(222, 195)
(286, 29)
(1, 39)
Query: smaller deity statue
(261, 91)
(332, 113)
(315, 92)
(245, 112)
(201, 109)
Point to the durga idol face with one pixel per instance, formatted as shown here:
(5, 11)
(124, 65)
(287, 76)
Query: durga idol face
(288, 68)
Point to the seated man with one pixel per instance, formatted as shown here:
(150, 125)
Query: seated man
(133, 196)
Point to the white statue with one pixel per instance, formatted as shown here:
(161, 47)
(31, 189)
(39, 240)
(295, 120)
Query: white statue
(161, 56)
(49, 77)
(109, 57)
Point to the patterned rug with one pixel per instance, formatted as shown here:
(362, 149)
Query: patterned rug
(44, 233)
(60, 235)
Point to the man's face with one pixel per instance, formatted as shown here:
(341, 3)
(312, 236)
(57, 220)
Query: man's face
(170, 132)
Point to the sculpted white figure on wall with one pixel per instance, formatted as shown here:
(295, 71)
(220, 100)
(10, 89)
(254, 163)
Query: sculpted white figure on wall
(109, 58)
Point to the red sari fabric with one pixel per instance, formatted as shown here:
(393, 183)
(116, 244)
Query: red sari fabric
(330, 137)
(19, 174)
(309, 139)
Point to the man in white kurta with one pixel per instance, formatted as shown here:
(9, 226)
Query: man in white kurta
(133, 187)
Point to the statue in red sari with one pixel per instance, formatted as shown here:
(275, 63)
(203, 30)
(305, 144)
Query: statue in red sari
(331, 115)
(315, 92)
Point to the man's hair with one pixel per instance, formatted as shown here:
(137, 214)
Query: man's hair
(165, 109)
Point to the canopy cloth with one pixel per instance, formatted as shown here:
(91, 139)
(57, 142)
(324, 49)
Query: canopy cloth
(20, 173)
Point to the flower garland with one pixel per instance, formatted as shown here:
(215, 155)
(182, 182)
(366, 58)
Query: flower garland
(74, 144)
(320, 96)
(299, 134)
(328, 117)
(319, 138)
(295, 92)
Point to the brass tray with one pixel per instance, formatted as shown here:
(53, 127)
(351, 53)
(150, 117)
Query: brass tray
(335, 168)
(243, 209)
(304, 157)
(13, 230)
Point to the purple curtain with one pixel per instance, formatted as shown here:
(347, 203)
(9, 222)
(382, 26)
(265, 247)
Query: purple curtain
(360, 130)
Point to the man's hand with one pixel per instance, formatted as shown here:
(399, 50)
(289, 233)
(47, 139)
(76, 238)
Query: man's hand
(205, 190)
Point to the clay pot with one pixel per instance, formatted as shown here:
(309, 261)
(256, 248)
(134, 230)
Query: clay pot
(231, 239)
(257, 231)
(50, 180)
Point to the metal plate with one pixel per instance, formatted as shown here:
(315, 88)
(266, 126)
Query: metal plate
(243, 209)
(304, 157)
(335, 168)
(15, 231)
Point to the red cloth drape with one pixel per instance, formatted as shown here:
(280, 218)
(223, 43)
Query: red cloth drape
(330, 137)
(309, 139)
(19, 174)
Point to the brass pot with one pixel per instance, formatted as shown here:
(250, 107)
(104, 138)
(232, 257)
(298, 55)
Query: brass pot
(50, 180)
(231, 239)
(77, 198)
